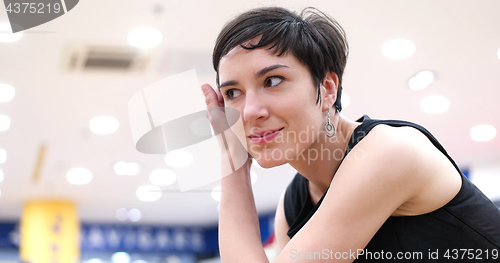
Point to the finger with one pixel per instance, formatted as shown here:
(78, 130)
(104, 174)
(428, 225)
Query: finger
(220, 99)
(216, 115)
(211, 98)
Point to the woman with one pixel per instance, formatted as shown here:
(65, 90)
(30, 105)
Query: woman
(364, 190)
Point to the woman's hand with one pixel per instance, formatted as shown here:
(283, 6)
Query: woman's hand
(234, 154)
(215, 106)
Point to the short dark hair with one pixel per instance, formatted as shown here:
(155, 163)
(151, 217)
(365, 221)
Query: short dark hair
(313, 37)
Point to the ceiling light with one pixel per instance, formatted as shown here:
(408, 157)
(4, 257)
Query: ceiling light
(148, 193)
(398, 49)
(6, 34)
(7, 92)
(216, 193)
(345, 100)
(434, 104)
(104, 125)
(1, 175)
(120, 168)
(144, 37)
(124, 168)
(133, 168)
(120, 257)
(482, 133)
(162, 177)
(422, 80)
(253, 177)
(178, 158)
(4, 122)
(79, 176)
(134, 215)
(3, 156)
(121, 214)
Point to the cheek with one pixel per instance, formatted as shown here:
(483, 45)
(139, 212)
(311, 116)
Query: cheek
(305, 125)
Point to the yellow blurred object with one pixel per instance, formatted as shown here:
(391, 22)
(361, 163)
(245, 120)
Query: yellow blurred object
(39, 162)
(50, 232)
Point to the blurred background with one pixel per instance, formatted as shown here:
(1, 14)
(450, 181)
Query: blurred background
(69, 169)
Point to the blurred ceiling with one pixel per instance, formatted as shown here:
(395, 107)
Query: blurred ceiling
(54, 104)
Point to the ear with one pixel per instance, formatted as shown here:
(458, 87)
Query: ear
(329, 90)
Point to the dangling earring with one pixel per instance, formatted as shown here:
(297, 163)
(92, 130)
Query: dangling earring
(329, 128)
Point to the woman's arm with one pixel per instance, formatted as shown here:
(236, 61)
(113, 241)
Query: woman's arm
(239, 233)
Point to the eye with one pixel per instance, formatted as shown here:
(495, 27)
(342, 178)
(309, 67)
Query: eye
(230, 93)
(273, 81)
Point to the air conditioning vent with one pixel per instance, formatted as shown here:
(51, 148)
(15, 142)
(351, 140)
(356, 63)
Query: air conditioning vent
(105, 58)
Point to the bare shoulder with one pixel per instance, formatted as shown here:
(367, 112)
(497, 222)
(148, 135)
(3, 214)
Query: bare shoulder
(391, 172)
(389, 150)
(280, 224)
(410, 153)
(385, 137)
(407, 144)
(392, 155)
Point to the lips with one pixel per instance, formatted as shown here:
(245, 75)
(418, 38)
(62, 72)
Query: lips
(264, 136)
(264, 133)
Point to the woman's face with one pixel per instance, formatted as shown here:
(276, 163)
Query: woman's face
(271, 93)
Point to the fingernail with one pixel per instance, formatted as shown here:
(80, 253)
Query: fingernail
(204, 89)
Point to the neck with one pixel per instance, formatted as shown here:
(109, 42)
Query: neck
(320, 171)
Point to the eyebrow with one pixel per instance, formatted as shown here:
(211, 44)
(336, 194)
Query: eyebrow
(259, 74)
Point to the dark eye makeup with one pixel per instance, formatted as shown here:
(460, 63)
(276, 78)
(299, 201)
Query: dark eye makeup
(271, 81)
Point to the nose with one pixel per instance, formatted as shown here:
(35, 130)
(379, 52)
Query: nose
(255, 107)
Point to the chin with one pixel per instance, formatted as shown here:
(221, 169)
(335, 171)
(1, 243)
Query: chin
(266, 164)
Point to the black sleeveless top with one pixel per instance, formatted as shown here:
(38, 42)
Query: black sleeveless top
(470, 221)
